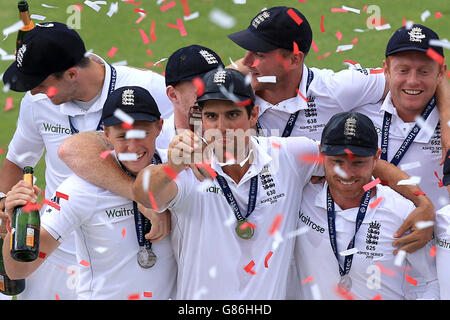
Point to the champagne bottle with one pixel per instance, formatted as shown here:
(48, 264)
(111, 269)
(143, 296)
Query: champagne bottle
(7, 286)
(26, 19)
(25, 228)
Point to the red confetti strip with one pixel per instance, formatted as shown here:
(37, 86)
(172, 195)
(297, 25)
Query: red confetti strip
(364, 9)
(51, 204)
(153, 201)
(419, 193)
(440, 181)
(112, 52)
(152, 32)
(309, 279)
(78, 7)
(349, 153)
(311, 158)
(167, 6)
(84, 263)
(438, 15)
(338, 10)
(1, 150)
(255, 63)
(276, 224)
(9, 104)
(208, 168)
(371, 184)
(375, 71)
(57, 297)
(276, 145)
(266, 260)
(326, 54)
(51, 92)
(355, 41)
(295, 16)
(322, 28)
(435, 56)
(248, 268)
(31, 207)
(344, 293)
(199, 86)
(149, 52)
(404, 22)
(377, 297)
(353, 63)
(42, 255)
(339, 35)
(148, 294)
(300, 94)
(104, 154)
(137, 10)
(124, 232)
(186, 10)
(172, 174)
(145, 38)
(133, 2)
(377, 201)
(126, 126)
(410, 280)
(433, 251)
(386, 271)
(62, 195)
(314, 46)
(179, 26)
(243, 103)
(134, 296)
(295, 46)
(246, 225)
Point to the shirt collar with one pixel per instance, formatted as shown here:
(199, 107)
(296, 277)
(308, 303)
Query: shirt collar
(397, 123)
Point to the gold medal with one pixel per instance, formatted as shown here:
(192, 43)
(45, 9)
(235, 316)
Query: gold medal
(244, 232)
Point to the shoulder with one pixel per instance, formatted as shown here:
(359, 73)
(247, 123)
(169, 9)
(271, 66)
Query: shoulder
(394, 202)
(127, 72)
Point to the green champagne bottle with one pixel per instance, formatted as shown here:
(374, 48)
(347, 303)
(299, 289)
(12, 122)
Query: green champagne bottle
(7, 286)
(25, 229)
(26, 19)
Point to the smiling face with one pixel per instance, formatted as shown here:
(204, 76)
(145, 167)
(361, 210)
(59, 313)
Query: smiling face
(413, 78)
(144, 148)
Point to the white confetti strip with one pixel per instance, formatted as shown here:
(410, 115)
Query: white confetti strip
(87, 53)
(199, 293)
(94, 4)
(348, 252)
(410, 165)
(277, 240)
(120, 63)
(297, 232)
(8, 57)
(119, 114)
(344, 47)
(399, 258)
(127, 156)
(113, 8)
(269, 79)
(37, 17)
(3, 52)
(13, 28)
(230, 220)
(340, 172)
(145, 180)
(414, 180)
(315, 292)
(409, 24)
(359, 30)
(425, 15)
(448, 123)
(424, 224)
(159, 61)
(383, 27)
(212, 272)
(222, 19)
(48, 6)
(351, 9)
(439, 43)
(233, 63)
(423, 126)
(192, 16)
(248, 80)
(239, 1)
(101, 249)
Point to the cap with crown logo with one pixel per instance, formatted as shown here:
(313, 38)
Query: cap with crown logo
(349, 130)
(135, 101)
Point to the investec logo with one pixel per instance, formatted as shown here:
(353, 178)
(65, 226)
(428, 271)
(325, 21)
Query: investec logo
(48, 127)
(122, 212)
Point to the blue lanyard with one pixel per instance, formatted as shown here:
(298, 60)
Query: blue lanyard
(232, 201)
(112, 86)
(409, 139)
(293, 117)
(332, 228)
(142, 224)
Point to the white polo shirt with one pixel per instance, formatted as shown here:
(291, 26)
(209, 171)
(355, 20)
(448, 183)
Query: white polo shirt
(167, 133)
(107, 245)
(423, 156)
(373, 271)
(329, 93)
(44, 126)
(442, 238)
(211, 257)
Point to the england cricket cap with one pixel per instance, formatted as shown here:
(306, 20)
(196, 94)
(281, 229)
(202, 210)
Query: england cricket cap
(226, 84)
(274, 28)
(417, 39)
(349, 130)
(190, 62)
(446, 179)
(48, 48)
(135, 101)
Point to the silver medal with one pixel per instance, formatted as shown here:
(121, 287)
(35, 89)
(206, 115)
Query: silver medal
(345, 282)
(146, 258)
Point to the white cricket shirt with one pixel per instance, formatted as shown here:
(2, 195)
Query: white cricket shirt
(442, 238)
(107, 245)
(44, 126)
(212, 259)
(372, 271)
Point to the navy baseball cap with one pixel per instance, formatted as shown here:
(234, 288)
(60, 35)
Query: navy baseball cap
(190, 62)
(226, 84)
(417, 39)
(349, 130)
(274, 28)
(446, 179)
(135, 101)
(48, 48)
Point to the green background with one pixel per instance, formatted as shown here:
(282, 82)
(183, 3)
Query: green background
(101, 33)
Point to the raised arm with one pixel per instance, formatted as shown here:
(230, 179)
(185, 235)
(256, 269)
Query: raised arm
(443, 104)
(81, 153)
(424, 208)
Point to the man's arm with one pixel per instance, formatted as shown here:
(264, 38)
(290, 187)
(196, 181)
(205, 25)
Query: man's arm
(424, 211)
(81, 153)
(443, 104)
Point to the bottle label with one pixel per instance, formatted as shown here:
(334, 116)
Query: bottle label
(32, 235)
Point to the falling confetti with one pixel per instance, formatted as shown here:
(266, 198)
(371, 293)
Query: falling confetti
(376, 202)
(410, 279)
(112, 52)
(276, 224)
(167, 6)
(222, 19)
(248, 268)
(266, 260)
(295, 16)
(179, 26)
(84, 263)
(9, 104)
(371, 184)
(104, 154)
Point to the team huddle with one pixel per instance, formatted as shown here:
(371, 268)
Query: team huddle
(216, 182)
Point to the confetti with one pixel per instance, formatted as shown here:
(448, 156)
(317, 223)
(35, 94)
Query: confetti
(414, 180)
(276, 224)
(127, 156)
(144, 37)
(297, 232)
(37, 17)
(307, 280)
(84, 263)
(142, 17)
(383, 27)
(135, 134)
(385, 270)
(152, 32)
(266, 260)
(51, 204)
(233, 63)
(192, 16)
(42, 255)
(267, 79)
(377, 297)
(51, 92)
(239, 1)
(410, 165)
(222, 19)
(338, 10)
(119, 114)
(153, 201)
(94, 4)
(134, 296)
(355, 41)
(344, 47)
(246, 225)
(31, 206)
(399, 258)
(419, 193)
(295, 16)
(425, 15)
(137, 10)
(277, 240)
(9, 104)
(439, 43)
(350, 154)
(199, 86)
(314, 46)
(212, 272)
(179, 26)
(13, 28)
(113, 8)
(322, 28)
(104, 154)
(371, 184)
(340, 172)
(435, 56)
(48, 6)
(376, 202)
(351, 9)
(112, 52)
(315, 292)
(295, 46)
(311, 158)
(171, 173)
(248, 268)
(376, 71)
(438, 15)
(148, 294)
(339, 35)
(243, 103)
(433, 251)
(424, 224)
(167, 6)
(344, 293)
(348, 252)
(124, 232)
(208, 168)
(276, 145)
(439, 179)
(57, 297)
(410, 279)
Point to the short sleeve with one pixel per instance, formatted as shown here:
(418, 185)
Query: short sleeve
(442, 237)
